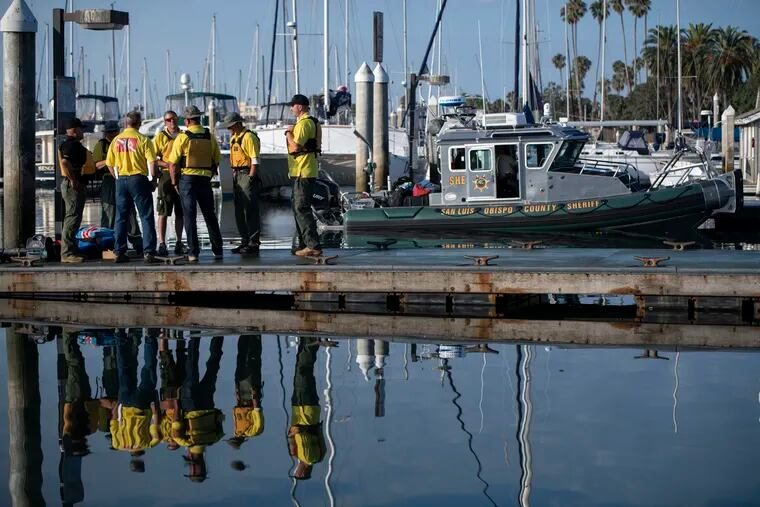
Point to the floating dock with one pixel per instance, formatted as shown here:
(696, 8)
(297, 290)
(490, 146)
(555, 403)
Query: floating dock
(690, 273)
(392, 327)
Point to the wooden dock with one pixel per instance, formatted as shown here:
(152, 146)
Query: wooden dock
(690, 273)
(398, 327)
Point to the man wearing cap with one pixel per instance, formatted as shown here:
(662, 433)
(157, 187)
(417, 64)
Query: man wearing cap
(248, 415)
(194, 158)
(108, 188)
(305, 439)
(73, 157)
(168, 198)
(131, 155)
(304, 143)
(246, 184)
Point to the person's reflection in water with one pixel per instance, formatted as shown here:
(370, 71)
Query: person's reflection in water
(172, 374)
(305, 439)
(134, 426)
(79, 420)
(79, 409)
(248, 414)
(108, 397)
(201, 423)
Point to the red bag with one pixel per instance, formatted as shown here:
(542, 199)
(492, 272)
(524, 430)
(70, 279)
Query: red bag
(419, 191)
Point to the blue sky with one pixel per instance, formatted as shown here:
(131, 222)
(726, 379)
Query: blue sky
(184, 28)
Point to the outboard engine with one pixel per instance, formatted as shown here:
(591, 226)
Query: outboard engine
(326, 200)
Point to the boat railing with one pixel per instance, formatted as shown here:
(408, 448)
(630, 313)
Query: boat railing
(615, 168)
(684, 173)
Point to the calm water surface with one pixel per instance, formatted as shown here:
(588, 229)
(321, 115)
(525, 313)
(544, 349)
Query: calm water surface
(391, 423)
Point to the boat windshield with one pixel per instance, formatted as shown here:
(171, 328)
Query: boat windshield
(93, 109)
(567, 156)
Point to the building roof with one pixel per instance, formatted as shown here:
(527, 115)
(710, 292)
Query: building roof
(748, 117)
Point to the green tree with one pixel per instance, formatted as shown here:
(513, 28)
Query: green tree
(618, 7)
(599, 14)
(698, 41)
(576, 9)
(559, 62)
(731, 59)
(660, 55)
(638, 9)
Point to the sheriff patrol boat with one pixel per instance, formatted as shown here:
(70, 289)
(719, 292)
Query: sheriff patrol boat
(500, 174)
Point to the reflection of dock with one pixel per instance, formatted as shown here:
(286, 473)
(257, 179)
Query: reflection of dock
(427, 271)
(391, 327)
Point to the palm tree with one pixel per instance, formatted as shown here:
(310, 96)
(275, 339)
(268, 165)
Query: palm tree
(617, 6)
(698, 41)
(646, 7)
(559, 62)
(660, 56)
(638, 10)
(731, 59)
(597, 12)
(580, 70)
(576, 9)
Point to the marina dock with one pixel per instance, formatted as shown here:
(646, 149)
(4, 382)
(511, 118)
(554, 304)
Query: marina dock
(690, 273)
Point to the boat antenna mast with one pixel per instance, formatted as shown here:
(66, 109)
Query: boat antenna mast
(411, 103)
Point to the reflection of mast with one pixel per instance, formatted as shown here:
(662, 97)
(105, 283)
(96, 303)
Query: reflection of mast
(285, 411)
(675, 393)
(525, 414)
(328, 421)
(457, 395)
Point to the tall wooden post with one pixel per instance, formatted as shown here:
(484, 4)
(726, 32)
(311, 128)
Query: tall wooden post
(19, 29)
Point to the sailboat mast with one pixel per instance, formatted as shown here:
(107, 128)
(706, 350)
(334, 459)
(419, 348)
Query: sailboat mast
(326, 54)
(345, 63)
(678, 35)
(129, 75)
(213, 54)
(271, 59)
(524, 72)
(604, 46)
(296, 62)
(145, 87)
(168, 73)
(406, 44)
(569, 66)
(482, 79)
(517, 54)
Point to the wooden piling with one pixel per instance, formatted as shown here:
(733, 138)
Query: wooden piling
(19, 28)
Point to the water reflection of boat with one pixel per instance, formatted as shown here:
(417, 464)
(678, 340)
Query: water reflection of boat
(505, 176)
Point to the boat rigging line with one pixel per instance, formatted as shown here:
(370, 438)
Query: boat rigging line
(411, 103)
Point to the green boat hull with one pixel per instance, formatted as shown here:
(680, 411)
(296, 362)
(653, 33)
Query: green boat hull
(664, 212)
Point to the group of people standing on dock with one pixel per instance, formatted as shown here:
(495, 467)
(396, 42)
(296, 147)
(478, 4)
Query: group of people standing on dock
(137, 413)
(179, 164)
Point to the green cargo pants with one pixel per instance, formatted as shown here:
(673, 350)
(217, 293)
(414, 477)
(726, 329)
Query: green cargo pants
(73, 204)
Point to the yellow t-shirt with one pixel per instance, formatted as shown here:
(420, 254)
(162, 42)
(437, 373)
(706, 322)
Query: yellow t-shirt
(130, 152)
(163, 145)
(133, 430)
(249, 146)
(99, 153)
(303, 166)
(179, 150)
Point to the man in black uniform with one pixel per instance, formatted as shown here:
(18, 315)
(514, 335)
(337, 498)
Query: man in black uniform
(73, 156)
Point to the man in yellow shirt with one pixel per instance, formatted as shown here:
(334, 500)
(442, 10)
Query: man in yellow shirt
(244, 160)
(168, 198)
(305, 440)
(304, 144)
(108, 188)
(132, 158)
(194, 158)
(135, 425)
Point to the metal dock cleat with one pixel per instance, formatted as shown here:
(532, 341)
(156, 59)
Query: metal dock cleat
(651, 262)
(481, 260)
(28, 261)
(680, 245)
(382, 245)
(526, 245)
(321, 259)
(171, 260)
